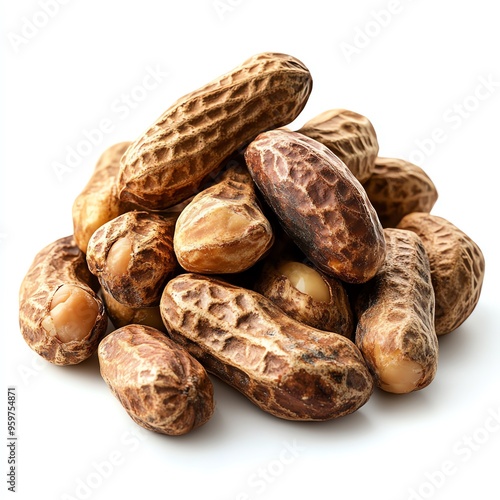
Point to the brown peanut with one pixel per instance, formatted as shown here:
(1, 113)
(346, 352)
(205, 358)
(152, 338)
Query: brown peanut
(348, 135)
(395, 330)
(319, 202)
(397, 188)
(307, 295)
(60, 315)
(133, 257)
(457, 268)
(288, 369)
(98, 203)
(159, 384)
(190, 139)
(223, 229)
(122, 315)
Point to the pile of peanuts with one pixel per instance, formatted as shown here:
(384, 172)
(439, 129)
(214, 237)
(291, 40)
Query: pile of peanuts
(297, 266)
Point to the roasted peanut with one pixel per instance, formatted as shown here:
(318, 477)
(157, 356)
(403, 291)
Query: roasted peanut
(122, 315)
(288, 369)
(223, 229)
(348, 135)
(307, 295)
(457, 268)
(191, 139)
(159, 384)
(320, 204)
(133, 257)
(98, 203)
(395, 309)
(60, 315)
(397, 188)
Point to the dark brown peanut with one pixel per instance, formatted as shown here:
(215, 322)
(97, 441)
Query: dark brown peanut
(159, 384)
(133, 257)
(191, 139)
(288, 369)
(349, 135)
(395, 310)
(320, 204)
(60, 315)
(457, 268)
(223, 230)
(397, 188)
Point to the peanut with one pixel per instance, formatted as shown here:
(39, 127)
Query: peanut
(395, 309)
(288, 369)
(159, 384)
(133, 257)
(348, 135)
(98, 203)
(190, 139)
(397, 188)
(122, 315)
(306, 295)
(223, 229)
(320, 204)
(60, 315)
(457, 268)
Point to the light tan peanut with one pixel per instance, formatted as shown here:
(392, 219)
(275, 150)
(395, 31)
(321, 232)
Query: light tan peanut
(223, 229)
(457, 268)
(98, 203)
(319, 202)
(133, 257)
(190, 139)
(122, 315)
(307, 295)
(60, 315)
(395, 309)
(288, 369)
(348, 135)
(159, 384)
(397, 188)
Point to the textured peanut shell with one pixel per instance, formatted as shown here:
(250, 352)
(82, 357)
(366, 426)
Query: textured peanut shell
(98, 203)
(397, 188)
(319, 202)
(122, 315)
(457, 268)
(60, 263)
(223, 229)
(288, 369)
(333, 316)
(159, 384)
(348, 135)
(192, 137)
(395, 312)
(152, 262)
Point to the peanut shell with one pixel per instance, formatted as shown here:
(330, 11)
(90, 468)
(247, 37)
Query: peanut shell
(159, 384)
(288, 369)
(190, 139)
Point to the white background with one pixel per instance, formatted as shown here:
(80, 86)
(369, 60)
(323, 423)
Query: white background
(418, 69)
